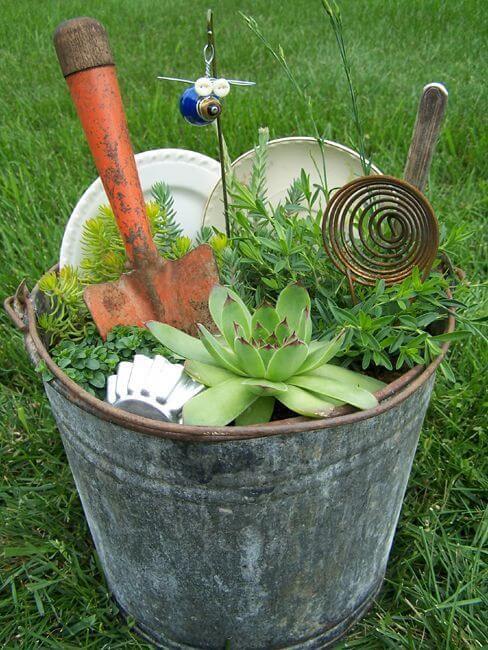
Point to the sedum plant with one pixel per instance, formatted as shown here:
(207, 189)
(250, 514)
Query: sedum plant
(257, 358)
(104, 257)
(66, 316)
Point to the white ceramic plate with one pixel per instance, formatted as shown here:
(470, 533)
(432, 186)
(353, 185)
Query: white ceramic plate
(190, 176)
(286, 157)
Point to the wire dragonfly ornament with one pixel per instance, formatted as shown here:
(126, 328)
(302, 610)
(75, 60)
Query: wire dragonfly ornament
(201, 104)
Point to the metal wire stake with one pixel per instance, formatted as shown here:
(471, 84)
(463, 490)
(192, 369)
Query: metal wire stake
(211, 44)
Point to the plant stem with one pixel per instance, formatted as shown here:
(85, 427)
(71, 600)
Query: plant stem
(332, 10)
(279, 56)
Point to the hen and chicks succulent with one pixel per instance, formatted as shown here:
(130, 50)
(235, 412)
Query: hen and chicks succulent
(260, 357)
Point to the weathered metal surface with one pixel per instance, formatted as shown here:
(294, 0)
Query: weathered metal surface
(380, 227)
(272, 536)
(274, 542)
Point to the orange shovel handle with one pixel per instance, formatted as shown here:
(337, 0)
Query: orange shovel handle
(86, 61)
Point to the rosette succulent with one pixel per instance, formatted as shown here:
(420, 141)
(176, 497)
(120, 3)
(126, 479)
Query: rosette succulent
(257, 358)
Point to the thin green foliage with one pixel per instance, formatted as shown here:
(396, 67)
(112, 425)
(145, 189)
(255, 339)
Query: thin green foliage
(104, 256)
(279, 56)
(275, 246)
(167, 233)
(66, 315)
(333, 12)
(257, 184)
(395, 327)
(390, 328)
(103, 249)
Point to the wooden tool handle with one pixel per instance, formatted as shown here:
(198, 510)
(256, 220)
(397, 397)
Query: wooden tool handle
(86, 61)
(425, 133)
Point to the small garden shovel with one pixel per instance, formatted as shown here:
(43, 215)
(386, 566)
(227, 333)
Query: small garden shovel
(174, 292)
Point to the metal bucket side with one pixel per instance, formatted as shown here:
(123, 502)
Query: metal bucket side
(273, 542)
(277, 539)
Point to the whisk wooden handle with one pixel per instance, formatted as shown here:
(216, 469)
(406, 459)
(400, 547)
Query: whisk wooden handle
(430, 114)
(86, 61)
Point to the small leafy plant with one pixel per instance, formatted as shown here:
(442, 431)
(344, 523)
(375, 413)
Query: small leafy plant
(66, 316)
(393, 327)
(262, 357)
(104, 256)
(273, 246)
(90, 361)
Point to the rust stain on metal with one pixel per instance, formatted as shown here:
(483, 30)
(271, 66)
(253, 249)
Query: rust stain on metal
(174, 291)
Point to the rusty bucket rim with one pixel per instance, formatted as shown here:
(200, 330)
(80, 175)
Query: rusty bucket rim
(21, 311)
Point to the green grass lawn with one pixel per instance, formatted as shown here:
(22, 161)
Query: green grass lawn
(53, 593)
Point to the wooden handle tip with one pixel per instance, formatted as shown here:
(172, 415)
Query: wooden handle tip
(81, 43)
(440, 87)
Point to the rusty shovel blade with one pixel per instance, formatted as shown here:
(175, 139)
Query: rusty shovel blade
(173, 292)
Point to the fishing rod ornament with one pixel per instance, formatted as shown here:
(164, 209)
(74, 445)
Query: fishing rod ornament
(202, 103)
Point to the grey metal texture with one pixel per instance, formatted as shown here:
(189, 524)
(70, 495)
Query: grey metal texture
(273, 542)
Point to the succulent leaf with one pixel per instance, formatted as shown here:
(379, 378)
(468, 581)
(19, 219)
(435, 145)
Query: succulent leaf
(260, 358)
(207, 374)
(219, 354)
(337, 373)
(235, 312)
(305, 403)
(219, 405)
(263, 386)
(265, 316)
(182, 344)
(286, 360)
(282, 331)
(322, 353)
(291, 302)
(249, 358)
(346, 392)
(266, 352)
(216, 301)
(260, 411)
(304, 328)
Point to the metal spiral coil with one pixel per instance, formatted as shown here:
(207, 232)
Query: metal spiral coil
(380, 227)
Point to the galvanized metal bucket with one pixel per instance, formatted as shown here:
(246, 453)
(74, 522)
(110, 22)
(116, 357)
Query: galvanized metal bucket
(271, 536)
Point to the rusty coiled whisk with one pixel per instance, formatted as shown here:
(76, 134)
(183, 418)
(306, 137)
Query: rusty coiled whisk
(380, 227)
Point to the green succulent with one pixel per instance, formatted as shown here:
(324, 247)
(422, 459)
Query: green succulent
(262, 357)
(66, 315)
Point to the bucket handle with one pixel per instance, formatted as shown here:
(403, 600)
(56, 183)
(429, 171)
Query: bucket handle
(14, 306)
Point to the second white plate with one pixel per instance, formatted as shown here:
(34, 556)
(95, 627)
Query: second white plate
(191, 176)
(286, 158)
